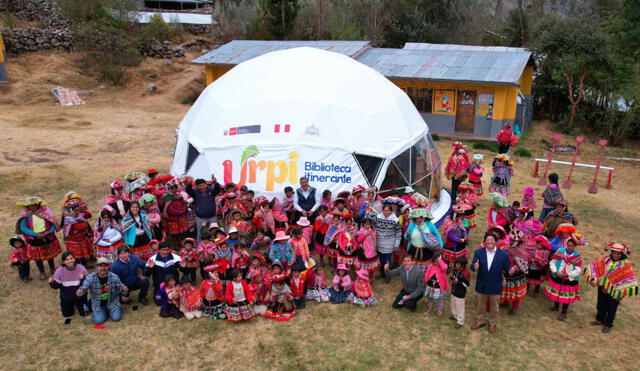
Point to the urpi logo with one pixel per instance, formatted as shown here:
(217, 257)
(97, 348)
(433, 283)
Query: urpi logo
(275, 171)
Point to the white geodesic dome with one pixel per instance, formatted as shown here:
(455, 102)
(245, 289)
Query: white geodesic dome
(307, 112)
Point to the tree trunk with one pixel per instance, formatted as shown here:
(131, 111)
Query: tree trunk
(570, 93)
(523, 38)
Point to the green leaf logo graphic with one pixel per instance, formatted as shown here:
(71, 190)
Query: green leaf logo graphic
(251, 151)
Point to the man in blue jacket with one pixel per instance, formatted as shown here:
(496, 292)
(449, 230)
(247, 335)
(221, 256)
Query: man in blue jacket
(490, 263)
(159, 266)
(204, 200)
(129, 269)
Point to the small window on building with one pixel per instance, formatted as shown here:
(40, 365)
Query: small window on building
(422, 98)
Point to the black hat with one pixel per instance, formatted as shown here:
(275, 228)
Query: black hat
(298, 268)
(163, 244)
(123, 248)
(461, 260)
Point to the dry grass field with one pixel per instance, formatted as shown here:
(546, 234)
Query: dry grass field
(48, 150)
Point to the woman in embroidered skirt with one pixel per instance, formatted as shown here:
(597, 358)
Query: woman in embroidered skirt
(502, 173)
(78, 237)
(368, 240)
(455, 240)
(515, 288)
(539, 264)
(38, 226)
(175, 215)
(615, 279)
(465, 205)
(423, 238)
(563, 287)
(137, 232)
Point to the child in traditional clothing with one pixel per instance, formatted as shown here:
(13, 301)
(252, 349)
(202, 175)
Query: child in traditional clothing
(189, 299)
(300, 245)
(539, 264)
(262, 244)
(241, 259)
(277, 272)
(245, 229)
(528, 204)
(515, 286)
(282, 251)
(224, 251)
(363, 295)
(331, 240)
(77, 233)
(261, 289)
(107, 236)
(564, 284)
(297, 283)
(320, 228)
(455, 240)
(614, 276)
(459, 282)
(348, 249)
(476, 171)
(233, 238)
(168, 306)
(287, 204)
(68, 279)
(239, 299)
(19, 258)
(281, 307)
(257, 266)
(367, 256)
(212, 293)
(206, 252)
(341, 290)
(437, 286)
(502, 173)
(465, 205)
(317, 286)
(189, 263)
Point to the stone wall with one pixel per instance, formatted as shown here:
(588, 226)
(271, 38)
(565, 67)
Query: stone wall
(20, 40)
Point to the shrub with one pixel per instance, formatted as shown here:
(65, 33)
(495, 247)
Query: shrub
(158, 29)
(435, 137)
(522, 152)
(488, 146)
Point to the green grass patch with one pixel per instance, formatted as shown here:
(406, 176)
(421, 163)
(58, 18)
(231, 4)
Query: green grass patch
(488, 146)
(522, 152)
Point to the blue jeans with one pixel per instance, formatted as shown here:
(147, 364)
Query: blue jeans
(545, 211)
(100, 314)
(384, 258)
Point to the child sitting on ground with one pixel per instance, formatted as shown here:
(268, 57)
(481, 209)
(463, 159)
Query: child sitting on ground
(19, 258)
(341, 289)
(363, 295)
(281, 308)
(169, 306)
(317, 286)
(189, 298)
(261, 290)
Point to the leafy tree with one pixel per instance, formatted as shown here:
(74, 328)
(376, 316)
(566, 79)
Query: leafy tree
(574, 52)
(277, 18)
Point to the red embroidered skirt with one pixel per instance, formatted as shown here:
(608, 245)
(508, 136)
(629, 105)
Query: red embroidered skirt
(179, 225)
(44, 252)
(109, 252)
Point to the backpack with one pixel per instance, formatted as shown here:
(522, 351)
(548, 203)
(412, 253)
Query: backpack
(552, 196)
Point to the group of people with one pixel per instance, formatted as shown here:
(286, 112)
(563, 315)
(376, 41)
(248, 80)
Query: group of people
(264, 257)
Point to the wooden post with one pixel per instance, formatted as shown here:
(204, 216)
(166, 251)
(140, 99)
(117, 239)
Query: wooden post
(593, 188)
(535, 169)
(608, 186)
(543, 180)
(567, 183)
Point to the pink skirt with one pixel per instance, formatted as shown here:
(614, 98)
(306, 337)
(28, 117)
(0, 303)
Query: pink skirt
(562, 293)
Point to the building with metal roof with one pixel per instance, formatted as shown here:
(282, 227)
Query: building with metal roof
(472, 90)
(4, 78)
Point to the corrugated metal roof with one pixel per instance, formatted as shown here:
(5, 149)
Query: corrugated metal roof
(238, 51)
(476, 48)
(449, 63)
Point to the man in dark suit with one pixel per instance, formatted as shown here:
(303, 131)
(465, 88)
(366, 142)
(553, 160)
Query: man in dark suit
(490, 263)
(412, 283)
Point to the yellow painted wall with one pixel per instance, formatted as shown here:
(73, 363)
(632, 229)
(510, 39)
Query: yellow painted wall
(504, 97)
(1, 49)
(212, 73)
(526, 80)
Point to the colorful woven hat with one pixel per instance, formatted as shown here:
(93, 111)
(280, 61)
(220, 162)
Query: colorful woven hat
(220, 265)
(147, 199)
(220, 240)
(420, 212)
(619, 247)
(499, 229)
(115, 184)
(260, 258)
(30, 201)
(504, 158)
(478, 157)
(516, 234)
(565, 228)
(499, 199)
(358, 188)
